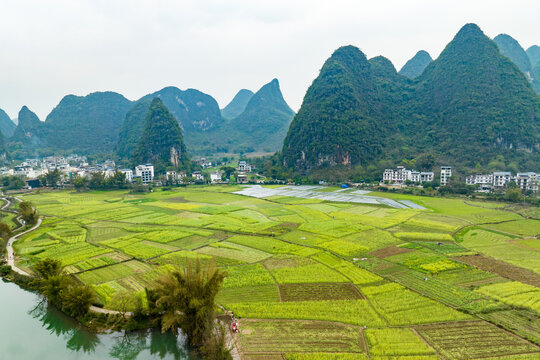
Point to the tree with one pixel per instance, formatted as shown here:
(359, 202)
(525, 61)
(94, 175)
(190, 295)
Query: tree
(97, 181)
(186, 300)
(76, 300)
(28, 213)
(5, 230)
(79, 182)
(513, 194)
(227, 171)
(48, 267)
(52, 177)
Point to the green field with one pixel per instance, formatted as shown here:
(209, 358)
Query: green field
(313, 279)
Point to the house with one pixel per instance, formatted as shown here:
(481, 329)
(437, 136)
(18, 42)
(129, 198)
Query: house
(198, 176)
(241, 179)
(500, 179)
(397, 176)
(128, 173)
(400, 175)
(145, 172)
(215, 177)
(527, 181)
(446, 174)
(244, 167)
(484, 182)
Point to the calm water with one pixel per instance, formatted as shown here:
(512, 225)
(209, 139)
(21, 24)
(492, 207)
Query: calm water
(31, 331)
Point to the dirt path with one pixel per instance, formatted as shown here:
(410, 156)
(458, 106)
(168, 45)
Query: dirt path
(11, 253)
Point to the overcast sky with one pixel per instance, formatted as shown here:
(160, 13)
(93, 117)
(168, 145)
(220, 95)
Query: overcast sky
(50, 48)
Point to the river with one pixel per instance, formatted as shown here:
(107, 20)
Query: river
(31, 330)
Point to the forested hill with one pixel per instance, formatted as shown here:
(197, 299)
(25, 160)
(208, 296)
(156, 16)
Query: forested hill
(86, 123)
(161, 142)
(264, 122)
(510, 48)
(237, 105)
(261, 125)
(469, 107)
(7, 126)
(416, 65)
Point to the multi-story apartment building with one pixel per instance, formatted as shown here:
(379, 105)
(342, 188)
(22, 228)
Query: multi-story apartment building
(527, 181)
(145, 172)
(446, 174)
(401, 175)
(128, 174)
(500, 179)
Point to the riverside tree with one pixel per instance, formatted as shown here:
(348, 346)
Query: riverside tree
(186, 300)
(60, 289)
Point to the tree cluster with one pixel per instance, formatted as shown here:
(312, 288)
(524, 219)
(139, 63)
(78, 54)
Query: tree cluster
(28, 213)
(61, 290)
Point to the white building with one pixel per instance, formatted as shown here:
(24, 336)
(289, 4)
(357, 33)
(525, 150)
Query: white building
(215, 177)
(241, 179)
(244, 167)
(400, 175)
(527, 181)
(397, 176)
(500, 179)
(446, 174)
(146, 172)
(128, 173)
(484, 182)
(198, 176)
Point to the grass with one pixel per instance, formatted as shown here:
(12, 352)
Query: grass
(499, 246)
(356, 312)
(514, 293)
(396, 342)
(475, 339)
(282, 336)
(307, 275)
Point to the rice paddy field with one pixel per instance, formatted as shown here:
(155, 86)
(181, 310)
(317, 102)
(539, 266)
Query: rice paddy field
(314, 272)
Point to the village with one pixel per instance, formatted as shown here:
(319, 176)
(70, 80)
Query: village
(484, 183)
(72, 166)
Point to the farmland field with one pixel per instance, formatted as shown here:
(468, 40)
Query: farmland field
(313, 278)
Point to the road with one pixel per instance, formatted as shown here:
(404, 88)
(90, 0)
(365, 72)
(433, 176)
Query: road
(11, 253)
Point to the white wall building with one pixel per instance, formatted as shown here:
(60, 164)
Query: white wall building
(146, 172)
(527, 181)
(128, 173)
(215, 177)
(400, 175)
(500, 179)
(397, 176)
(198, 175)
(244, 167)
(446, 173)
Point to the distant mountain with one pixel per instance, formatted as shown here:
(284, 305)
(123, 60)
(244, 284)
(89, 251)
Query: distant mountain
(416, 65)
(7, 126)
(468, 107)
(534, 55)
(265, 120)
(87, 124)
(237, 105)
(161, 142)
(194, 110)
(30, 131)
(536, 78)
(510, 48)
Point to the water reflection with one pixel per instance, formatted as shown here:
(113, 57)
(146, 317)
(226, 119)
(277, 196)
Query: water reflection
(149, 344)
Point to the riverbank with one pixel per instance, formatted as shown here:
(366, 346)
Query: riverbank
(98, 320)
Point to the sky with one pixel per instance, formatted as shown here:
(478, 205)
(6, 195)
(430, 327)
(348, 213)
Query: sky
(51, 48)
